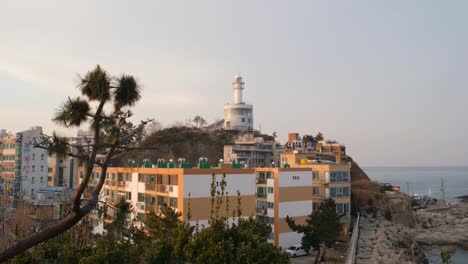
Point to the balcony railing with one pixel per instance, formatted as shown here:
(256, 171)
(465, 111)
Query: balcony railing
(261, 211)
(261, 195)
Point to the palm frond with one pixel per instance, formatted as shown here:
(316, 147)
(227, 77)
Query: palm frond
(72, 113)
(127, 92)
(96, 85)
(58, 145)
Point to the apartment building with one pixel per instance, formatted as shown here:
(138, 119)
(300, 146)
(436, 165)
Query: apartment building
(297, 192)
(252, 151)
(269, 193)
(24, 167)
(184, 189)
(302, 152)
(63, 171)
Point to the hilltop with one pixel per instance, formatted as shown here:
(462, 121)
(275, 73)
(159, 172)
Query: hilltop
(190, 143)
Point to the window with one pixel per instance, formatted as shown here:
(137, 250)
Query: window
(128, 195)
(315, 175)
(81, 174)
(250, 120)
(141, 197)
(120, 177)
(41, 179)
(315, 206)
(113, 176)
(270, 189)
(161, 200)
(42, 168)
(33, 156)
(32, 193)
(339, 176)
(269, 175)
(159, 179)
(270, 205)
(296, 178)
(151, 179)
(49, 179)
(42, 156)
(33, 168)
(339, 192)
(141, 178)
(128, 177)
(173, 202)
(265, 219)
(243, 120)
(32, 180)
(342, 208)
(106, 192)
(315, 190)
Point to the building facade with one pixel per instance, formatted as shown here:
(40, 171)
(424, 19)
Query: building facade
(238, 115)
(252, 151)
(24, 167)
(270, 193)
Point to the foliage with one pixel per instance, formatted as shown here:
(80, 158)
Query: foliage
(167, 239)
(199, 121)
(179, 142)
(308, 138)
(319, 137)
(265, 137)
(445, 258)
(104, 106)
(322, 227)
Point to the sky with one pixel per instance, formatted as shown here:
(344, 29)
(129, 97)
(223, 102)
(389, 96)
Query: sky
(387, 79)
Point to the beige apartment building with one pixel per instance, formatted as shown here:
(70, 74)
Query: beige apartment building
(270, 194)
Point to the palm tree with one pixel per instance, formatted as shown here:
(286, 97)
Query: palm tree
(113, 133)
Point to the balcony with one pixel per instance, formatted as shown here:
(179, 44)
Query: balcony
(261, 195)
(162, 188)
(261, 211)
(261, 181)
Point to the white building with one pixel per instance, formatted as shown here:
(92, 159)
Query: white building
(31, 164)
(238, 115)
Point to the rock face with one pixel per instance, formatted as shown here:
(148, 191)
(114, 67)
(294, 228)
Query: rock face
(442, 228)
(400, 209)
(391, 235)
(383, 241)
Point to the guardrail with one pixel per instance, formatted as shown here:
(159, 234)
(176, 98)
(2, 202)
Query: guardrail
(354, 240)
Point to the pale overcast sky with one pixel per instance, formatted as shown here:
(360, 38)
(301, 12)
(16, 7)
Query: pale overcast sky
(387, 79)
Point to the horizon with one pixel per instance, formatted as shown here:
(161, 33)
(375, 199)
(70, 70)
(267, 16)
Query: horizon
(385, 79)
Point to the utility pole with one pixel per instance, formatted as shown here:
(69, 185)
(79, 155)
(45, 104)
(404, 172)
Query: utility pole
(442, 189)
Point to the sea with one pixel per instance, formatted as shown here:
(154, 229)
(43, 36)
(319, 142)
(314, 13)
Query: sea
(428, 181)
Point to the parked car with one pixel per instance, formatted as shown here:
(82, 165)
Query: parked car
(296, 251)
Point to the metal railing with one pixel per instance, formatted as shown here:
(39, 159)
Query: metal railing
(353, 245)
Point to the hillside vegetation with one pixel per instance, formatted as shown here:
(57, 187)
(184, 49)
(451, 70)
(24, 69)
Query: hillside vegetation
(190, 143)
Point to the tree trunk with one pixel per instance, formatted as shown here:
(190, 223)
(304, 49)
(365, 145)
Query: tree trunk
(317, 257)
(323, 254)
(42, 236)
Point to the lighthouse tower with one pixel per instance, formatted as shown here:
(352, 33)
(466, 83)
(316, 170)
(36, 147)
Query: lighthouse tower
(238, 115)
(238, 86)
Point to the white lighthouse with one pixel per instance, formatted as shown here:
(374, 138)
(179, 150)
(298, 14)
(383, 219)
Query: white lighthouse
(239, 115)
